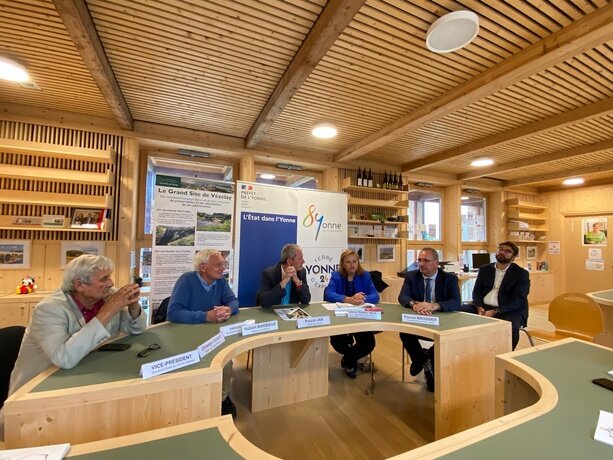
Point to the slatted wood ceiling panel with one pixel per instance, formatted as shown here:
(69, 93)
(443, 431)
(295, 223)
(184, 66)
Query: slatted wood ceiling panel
(33, 31)
(379, 69)
(553, 91)
(205, 65)
(585, 133)
(601, 177)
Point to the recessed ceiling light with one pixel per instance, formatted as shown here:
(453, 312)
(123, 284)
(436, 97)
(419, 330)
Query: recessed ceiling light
(480, 162)
(464, 198)
(324, 131)
(12, 71)
(267, 176)
(574, 181)
(452, 31)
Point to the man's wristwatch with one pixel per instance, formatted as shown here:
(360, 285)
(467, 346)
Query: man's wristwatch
(299, 283)
(411, 303)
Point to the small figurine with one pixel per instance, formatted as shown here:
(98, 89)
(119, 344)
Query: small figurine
(28, 285)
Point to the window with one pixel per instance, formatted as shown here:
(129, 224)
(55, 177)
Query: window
(424, 215)
(181, 168)
(285, 179)
(472, 215)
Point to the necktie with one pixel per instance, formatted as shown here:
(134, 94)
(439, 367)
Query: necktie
(428, 296)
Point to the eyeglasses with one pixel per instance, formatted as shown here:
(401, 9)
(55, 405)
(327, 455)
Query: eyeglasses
(425, 260)
(505, 250)
(217, 265)
(147, 351)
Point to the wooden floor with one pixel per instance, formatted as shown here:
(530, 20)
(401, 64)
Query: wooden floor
(349, 423)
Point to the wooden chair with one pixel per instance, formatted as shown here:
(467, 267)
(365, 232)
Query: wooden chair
(574, 315)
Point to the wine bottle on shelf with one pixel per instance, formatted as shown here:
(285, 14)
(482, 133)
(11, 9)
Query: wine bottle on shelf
(369, 178)
(385, 181)
(396, 181)
(400, 184)
(359, 177)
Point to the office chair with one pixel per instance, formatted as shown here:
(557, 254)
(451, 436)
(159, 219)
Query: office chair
(159, 315)
(573, 315)
(10, 342)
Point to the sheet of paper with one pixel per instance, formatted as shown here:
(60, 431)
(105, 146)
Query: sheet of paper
(604, 428)
(52, 452)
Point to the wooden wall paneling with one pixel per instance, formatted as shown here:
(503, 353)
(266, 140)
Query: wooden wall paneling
(496, 220)
(331, 180)
(247, 168)
(127, 215)
(451, 231)
(586, 202)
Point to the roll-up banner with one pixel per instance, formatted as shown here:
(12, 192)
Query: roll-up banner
(268, 217)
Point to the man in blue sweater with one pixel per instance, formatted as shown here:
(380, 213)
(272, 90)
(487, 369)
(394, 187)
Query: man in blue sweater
(204, 296)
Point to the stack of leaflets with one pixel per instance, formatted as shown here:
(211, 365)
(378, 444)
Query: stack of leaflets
(291, 314)
(343, 309)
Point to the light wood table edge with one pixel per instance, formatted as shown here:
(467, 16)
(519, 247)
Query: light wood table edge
(506, 362)
(224, 423)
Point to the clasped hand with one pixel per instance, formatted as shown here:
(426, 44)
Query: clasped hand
(483, 312)
(424, 308)
(357, 299)
(218, 314)
(126, 295)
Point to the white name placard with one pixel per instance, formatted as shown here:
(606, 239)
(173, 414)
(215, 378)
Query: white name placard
(421, 319)
(210, 344)
(251, 329)
(312, 322)
(365, 315)
(234, 329)
(169, 364)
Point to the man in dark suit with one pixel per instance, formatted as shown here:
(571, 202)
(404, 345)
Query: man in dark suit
(501, 289)
(426, 290)
(285, 282)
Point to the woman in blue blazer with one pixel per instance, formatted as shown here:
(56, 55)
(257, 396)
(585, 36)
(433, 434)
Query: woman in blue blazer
(351, 284)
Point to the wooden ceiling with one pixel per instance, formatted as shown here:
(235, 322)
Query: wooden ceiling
(533, 91)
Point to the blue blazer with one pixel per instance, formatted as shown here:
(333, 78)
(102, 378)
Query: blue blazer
(335, 290)
(513, 292)
(446, 290)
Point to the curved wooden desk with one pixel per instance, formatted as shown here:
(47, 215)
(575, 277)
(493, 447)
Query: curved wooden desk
(217, 436)
(549, 389)
(547, 407)
(103, 397)
(605, 300)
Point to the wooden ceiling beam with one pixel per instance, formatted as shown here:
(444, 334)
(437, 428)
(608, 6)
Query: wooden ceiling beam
(533, 161)
(80, 27)
(334, 18)
(597, 109)
(584, 34)
(560, 175)
(559, 187)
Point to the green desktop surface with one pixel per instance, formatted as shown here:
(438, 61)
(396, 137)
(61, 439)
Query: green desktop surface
(567, 431)
(201, 444)
(103, 367)
(604, 295)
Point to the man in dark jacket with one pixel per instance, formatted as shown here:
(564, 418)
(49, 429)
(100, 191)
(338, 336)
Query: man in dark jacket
(285, 282)
(426, 290)
(501, 289)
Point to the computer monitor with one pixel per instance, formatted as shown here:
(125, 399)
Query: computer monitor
(480, 259)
